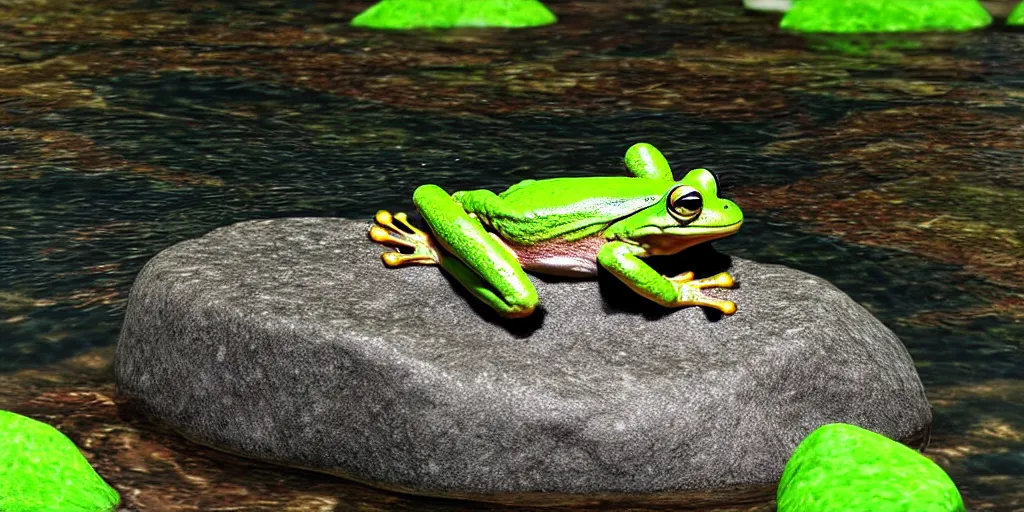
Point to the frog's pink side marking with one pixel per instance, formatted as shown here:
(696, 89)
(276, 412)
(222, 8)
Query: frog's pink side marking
(561, 258)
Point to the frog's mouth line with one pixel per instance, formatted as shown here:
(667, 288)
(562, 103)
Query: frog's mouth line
(677, 239)
(696, 236)
(714, 231)
(707, 233)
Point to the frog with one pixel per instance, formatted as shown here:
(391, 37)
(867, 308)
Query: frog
(571, 227)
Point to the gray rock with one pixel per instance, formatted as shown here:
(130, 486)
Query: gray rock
(288, 341)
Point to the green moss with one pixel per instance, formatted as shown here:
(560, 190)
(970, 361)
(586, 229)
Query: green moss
(841, 467)
(1017, 16)
(406, 14)
(885, 16)
(41, 470)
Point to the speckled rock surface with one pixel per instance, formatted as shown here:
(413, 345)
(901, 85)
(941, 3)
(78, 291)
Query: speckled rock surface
(286, 340)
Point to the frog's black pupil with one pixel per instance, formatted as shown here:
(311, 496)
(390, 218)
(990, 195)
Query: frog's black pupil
(690, 202)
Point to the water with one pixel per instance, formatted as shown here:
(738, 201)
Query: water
(892, 166)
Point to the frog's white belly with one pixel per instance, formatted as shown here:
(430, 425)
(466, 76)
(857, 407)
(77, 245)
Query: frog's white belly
(561, 258)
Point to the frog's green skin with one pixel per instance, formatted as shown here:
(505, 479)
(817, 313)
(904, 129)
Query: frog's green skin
(569, 226)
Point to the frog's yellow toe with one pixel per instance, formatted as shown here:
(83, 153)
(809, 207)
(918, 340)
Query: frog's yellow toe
(383, 217)
(698, 299)
(720, 280)
(391, 259)
(727, 307)
(685, 277)
(397, 259)
(381, 235)
(724, 280)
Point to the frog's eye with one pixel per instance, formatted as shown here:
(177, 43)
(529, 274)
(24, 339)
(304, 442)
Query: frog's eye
(685, 203)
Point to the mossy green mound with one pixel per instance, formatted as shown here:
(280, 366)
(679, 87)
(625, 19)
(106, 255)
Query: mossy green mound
(840, 467)
(885, 16)
(1017, 16)
(41, 470)
(407, 14)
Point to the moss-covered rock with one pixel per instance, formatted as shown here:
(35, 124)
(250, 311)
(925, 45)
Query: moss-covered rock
(885, 16)
(1017, 16)
(41, 470)
(841, 467)
(407, 14)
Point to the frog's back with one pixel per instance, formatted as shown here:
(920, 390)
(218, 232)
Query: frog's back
(573, 208)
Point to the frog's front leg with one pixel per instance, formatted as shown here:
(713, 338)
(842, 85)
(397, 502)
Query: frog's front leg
(472, 255)
(621, 259)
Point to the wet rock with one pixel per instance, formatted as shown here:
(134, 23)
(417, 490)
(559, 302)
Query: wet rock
(286, 340)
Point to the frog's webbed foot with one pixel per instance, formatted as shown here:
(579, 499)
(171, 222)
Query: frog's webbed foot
(690, 291)
(420, 247)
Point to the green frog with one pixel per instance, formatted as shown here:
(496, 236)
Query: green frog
(567, 227)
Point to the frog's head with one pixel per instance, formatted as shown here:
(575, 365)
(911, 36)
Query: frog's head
(690, 212)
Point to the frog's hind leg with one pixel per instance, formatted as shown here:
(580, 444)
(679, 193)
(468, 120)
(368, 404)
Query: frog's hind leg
(480, 262)
(384, 231)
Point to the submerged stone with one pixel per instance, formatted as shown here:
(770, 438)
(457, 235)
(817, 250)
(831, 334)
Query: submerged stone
(1017, 16)
(408, 14)
(842, 467)
(41, 470)
(885, 16)
(287, 340)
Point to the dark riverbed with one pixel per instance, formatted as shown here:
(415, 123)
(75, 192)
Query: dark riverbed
(892, 166)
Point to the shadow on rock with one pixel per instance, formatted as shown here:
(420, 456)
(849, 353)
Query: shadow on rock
(518, 327)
